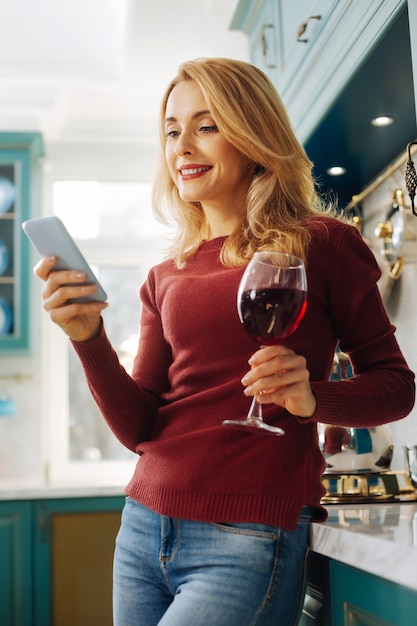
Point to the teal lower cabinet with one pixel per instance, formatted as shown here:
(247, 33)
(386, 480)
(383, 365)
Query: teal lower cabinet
(360, 599)
(16, 599)
(56, 561)
(340, 595)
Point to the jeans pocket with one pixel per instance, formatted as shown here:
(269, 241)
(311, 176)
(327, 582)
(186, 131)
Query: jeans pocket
(248, 529)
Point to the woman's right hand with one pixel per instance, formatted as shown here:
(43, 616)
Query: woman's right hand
(80, 321)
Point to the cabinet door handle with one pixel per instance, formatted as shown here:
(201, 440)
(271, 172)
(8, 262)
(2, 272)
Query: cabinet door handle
(264, 44)
(312, 607)
(303, 27)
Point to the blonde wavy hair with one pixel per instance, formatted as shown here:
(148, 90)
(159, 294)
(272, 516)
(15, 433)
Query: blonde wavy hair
(249, 113)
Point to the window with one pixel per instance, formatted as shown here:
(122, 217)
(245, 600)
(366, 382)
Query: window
(113, 224)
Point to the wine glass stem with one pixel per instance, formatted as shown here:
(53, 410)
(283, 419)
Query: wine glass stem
(255, 411)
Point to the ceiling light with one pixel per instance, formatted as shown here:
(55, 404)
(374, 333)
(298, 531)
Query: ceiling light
(336, 170)
(382, 120)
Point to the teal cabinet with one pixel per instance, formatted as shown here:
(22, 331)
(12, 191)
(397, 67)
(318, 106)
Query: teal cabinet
(341, 595)
(360, 599)
(260, 22)
(16, 600)
(18, 154)
(56, 559)
(311, 48)
(73, 559)
(281, 34)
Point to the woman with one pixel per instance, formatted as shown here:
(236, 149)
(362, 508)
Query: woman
(216, 523)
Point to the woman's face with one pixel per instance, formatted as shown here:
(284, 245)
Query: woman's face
(204, 166)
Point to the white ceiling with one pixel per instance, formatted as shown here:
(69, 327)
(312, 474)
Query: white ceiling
(96, 69)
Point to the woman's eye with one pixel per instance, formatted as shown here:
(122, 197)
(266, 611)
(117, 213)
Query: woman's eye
(172, 133)
(209, 129)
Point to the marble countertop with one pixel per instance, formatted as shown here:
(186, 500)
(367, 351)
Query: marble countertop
(39, 491)
(380, 539)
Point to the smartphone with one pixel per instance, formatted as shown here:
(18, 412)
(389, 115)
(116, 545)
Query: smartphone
(51, 238)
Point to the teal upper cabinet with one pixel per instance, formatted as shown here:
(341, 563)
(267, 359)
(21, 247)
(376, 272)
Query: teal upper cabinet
(259, 20)
(318, 46)
(300, 25)
(18, 152)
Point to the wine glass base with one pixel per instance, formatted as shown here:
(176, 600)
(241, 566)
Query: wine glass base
(254, 426)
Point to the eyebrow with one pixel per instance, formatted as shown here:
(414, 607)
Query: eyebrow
(194, 116)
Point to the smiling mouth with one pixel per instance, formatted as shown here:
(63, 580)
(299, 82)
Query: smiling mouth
(193, 170)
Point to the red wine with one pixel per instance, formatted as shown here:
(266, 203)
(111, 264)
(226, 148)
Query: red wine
(269, 315)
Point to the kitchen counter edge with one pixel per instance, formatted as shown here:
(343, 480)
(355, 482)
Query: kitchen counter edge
(375, 538)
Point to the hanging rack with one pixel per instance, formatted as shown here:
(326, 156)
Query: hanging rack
(393, 167)
(411, 177)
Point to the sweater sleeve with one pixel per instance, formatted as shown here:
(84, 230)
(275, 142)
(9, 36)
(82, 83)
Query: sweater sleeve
(128, 403)
(382, 388)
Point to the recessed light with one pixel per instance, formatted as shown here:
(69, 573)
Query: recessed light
(382, 120)
(336, 170)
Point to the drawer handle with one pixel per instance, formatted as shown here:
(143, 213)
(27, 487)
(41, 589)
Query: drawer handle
(303, 27)
(264, 44)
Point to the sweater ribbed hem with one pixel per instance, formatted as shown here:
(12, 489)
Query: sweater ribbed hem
(221, 508)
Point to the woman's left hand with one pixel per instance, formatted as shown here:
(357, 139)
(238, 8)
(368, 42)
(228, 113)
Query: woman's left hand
(280, 376)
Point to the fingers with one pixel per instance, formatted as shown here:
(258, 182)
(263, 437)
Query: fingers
(268, 362)
(61, 286)
(44, 270)
(280, 376)
(56, 294)
(79, 320)
(44, 267)
(275, 373)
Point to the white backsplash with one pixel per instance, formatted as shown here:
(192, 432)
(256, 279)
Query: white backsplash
(400, 298)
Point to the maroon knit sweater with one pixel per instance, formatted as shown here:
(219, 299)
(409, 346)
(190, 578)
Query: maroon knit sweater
(186, 380)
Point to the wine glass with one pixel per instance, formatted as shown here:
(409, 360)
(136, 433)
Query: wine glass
(271, 300)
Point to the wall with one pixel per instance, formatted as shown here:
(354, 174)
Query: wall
(400, 296)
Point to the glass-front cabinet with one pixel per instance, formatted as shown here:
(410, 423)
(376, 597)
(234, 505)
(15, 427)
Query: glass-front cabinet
(18, 154)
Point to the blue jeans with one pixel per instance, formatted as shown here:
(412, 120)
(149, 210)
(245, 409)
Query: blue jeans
(175, 572)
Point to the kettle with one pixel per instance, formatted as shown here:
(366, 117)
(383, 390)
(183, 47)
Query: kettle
(411, 463)
(347, 449)
(350, 450)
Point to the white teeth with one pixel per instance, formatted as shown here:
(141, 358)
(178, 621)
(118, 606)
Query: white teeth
(194, 170)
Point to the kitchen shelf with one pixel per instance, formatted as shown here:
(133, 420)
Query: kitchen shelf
(18, 155)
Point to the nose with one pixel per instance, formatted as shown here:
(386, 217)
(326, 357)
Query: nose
(184, 144)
